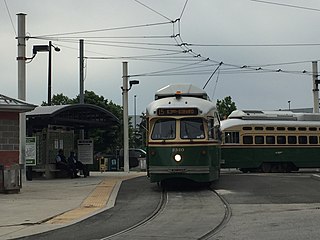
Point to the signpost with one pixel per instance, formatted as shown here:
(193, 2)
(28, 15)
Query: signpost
(31, 151)
(85, 151)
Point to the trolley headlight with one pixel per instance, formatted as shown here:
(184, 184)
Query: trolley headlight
(177, 157)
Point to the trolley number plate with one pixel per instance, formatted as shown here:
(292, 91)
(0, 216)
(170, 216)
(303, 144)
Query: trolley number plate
(177, 150)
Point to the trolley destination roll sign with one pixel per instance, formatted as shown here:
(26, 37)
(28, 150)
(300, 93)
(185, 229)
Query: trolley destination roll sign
(177, 111)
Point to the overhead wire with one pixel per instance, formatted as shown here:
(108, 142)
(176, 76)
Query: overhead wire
(185, 47)
(8, 11)
(184, 8)
(286, 5)
(151, 9)
(104, 29)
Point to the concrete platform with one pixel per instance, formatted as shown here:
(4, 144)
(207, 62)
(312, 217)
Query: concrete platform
(44, 205)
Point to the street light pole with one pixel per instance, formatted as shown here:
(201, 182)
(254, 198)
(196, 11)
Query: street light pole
(46, 48)
(135, 113)
(125, 117)
(125, 91)
(49, 74)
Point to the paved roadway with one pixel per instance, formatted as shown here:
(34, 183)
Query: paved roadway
(264, 206)
(271, 206)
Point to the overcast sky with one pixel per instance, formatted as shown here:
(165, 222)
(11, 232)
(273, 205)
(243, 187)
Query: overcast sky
(168, 42)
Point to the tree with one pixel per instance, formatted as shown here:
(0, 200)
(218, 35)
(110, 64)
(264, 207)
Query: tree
(59, 99)
(225, 107)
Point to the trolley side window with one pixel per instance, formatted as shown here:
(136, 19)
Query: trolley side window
(270, 139)
(191, 128)
(303, 140)
(259, 139)
(164, 129)
(313, 139)
(292, 139)
(281, 140)
(231, 137)
(247, 140)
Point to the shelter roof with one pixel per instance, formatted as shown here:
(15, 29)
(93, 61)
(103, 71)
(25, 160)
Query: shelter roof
(73, 115)
(9, 104)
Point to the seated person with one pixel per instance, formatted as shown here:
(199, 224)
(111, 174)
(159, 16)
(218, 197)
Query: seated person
(73, 161)
(62, 164)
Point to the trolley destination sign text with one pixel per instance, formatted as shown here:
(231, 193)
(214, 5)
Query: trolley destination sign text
(177, 111)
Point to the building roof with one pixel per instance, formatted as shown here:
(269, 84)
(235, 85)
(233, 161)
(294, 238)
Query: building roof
(8, 104)
(73, 115)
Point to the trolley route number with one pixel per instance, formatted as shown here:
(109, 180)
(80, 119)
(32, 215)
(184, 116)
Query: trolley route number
(176, 111)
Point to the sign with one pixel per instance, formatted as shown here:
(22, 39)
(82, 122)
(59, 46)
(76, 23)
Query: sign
(177, 111)
(31, 151)
(85, 151)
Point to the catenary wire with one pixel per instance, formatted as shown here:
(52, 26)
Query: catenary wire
(151, 9)
(8, 11)
(286, 5)
(104, 29)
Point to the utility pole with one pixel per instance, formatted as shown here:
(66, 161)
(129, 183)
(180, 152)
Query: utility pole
(81, 64)
(22, 87)
(49, 73)
(125, 117)
(81, 84)
(315, 89)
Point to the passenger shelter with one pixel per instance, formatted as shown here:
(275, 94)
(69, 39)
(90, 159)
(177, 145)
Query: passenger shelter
(56, 127)
(10, 110)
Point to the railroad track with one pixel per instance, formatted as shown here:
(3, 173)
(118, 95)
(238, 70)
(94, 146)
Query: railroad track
(225, 220)
(162, 203)
(159, 216)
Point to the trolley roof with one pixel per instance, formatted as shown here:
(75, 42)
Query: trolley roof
(204, 106)
(181, 89)
(270, 118)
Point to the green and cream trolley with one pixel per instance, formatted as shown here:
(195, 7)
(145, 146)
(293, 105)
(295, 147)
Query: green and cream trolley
(183, 135)
(270, 141)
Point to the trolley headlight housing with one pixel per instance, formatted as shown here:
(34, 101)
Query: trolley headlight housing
(177, 157)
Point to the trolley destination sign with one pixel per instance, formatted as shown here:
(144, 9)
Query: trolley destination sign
(177, 111)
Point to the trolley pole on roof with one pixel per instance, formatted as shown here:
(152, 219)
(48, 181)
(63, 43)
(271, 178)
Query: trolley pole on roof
(315, 89)
(125, 117)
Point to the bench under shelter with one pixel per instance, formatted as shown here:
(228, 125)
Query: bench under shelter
(57, 127)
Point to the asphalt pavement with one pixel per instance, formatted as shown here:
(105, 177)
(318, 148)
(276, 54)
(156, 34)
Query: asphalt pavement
(46, 205)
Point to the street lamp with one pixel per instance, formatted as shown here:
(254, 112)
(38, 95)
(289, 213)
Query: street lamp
(46, 48)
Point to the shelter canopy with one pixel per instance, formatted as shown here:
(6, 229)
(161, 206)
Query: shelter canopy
(77, 116)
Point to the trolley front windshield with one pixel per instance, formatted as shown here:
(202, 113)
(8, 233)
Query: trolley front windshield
(189, 128)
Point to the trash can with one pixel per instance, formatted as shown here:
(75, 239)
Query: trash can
(113, 164)
(103, 164)
(143, 164)
(11, 179)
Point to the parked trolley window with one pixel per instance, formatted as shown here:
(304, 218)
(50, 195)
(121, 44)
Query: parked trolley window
(247, 140)
(270, 140)
(259, 139)
(313, 139)
(231, 137)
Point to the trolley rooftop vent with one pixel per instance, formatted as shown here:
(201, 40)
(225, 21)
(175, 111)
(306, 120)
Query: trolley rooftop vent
(273, 115)
(263, 115)
(181, 90)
